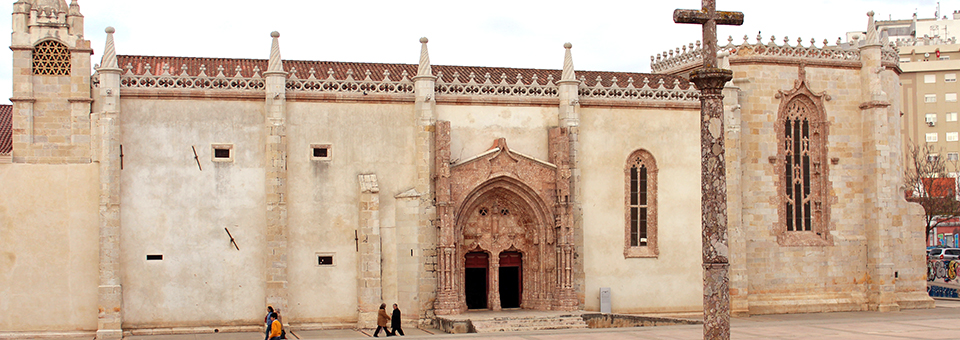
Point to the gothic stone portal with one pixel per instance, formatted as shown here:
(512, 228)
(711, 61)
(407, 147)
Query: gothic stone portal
(506, 237)
(501, 226)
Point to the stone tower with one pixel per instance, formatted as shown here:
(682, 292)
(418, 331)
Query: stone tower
(51, 76)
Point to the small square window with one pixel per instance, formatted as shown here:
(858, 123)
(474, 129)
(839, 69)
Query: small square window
(930, 118)
(929, 98)
(952, 156)
(904, 60)
(321, 152)
(951, 116)
(931, 137)
(222, 152)
(929, 78)
(933, 157)
(950, 77)
(950, 97)
(326, 260)
(952, 136)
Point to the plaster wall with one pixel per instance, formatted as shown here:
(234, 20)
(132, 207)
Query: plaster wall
(170, 207)
(802, 278)
(473, 129)
(324, 201)
(48, 247)
(670, 282)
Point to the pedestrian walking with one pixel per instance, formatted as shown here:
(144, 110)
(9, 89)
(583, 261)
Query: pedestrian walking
(266, 323)
(275, 328)
(382, 319)
(395, 320)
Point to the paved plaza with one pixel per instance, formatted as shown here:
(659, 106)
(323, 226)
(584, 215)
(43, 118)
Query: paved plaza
(938, 323)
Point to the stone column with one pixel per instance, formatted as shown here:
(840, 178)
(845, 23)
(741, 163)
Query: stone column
(493, 283)
(880, 177)
(369, 296)
(739, 281)
(448, 296)
(110, 292)
(716, 292)
(570, 295)
(276, 178)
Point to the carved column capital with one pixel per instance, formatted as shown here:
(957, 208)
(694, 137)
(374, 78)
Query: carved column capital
(710, 81)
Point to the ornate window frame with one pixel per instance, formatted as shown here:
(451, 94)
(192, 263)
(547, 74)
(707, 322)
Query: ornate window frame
(640, 162)
(51, 58)
(807, 222)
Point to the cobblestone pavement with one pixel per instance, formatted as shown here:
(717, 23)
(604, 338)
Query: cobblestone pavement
(938, 323)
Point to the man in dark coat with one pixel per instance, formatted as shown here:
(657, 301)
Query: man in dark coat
(395, 320)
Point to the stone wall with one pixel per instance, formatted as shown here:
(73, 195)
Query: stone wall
(175, 207)
(670, 282)
(48, 247)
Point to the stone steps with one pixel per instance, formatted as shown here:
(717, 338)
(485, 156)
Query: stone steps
(528, 323)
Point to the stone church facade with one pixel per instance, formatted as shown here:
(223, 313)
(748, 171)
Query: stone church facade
(164, 194)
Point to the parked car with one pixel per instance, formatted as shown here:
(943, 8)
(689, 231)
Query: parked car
(943, 254)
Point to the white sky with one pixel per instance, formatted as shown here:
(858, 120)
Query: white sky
(607, 35)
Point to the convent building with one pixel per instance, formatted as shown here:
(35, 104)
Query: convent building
(185, 193)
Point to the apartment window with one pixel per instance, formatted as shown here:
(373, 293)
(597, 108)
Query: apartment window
(951, 116)
(904, 60)
(929, 98)
(953, 136)
(946, 57)
(950, 77)
(952, 156)
(929, 78)
(950, 97)
(931, 137)
(931, 119)
(933, 157)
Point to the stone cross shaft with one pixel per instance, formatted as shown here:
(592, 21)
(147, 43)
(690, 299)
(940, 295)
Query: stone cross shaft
(710, 81)
(709, 17)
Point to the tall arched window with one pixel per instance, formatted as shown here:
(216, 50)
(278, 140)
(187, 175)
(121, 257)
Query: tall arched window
(802, 167)
(51, 58)
(640, 201)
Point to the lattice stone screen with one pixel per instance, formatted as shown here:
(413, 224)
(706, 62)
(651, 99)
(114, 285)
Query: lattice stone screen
(51, 58)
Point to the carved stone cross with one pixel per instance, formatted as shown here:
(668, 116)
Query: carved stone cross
(709, 17)
(710, 81)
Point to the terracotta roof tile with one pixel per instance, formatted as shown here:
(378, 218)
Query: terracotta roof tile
(339, 70)
(6, 128)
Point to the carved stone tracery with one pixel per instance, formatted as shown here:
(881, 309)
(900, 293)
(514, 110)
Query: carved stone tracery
(801, 168)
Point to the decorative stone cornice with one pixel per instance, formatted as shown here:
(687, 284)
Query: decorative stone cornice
(689, 56)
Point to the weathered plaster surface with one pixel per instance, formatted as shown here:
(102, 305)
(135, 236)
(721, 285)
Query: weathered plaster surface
(671, 281)
(171, 207)
(48, 247)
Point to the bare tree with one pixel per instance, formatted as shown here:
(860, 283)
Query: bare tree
(929, 185)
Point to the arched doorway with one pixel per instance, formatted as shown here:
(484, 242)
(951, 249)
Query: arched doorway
(475, 272)
(511, 279)
(518, 244)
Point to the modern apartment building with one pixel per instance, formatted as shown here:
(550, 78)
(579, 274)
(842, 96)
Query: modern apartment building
(930, 62)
